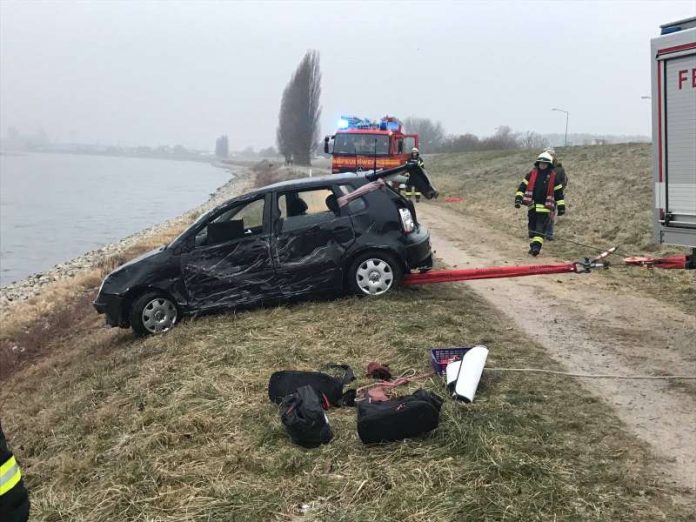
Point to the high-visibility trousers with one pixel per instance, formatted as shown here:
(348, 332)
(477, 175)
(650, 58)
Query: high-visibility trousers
(538, 220)
(412, 192)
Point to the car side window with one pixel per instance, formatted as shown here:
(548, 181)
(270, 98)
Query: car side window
(357, 204)
(304, 208)
(242, 220)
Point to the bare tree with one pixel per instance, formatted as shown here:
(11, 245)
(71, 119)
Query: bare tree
(461, 143)
(503, 139)
(432, 134)
(532, 140)
(297, 135)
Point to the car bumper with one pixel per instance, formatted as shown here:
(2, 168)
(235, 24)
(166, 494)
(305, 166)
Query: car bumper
(112, 306)
(419, 254)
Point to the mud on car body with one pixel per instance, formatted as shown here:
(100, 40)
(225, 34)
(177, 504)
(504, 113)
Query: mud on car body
(276, 243)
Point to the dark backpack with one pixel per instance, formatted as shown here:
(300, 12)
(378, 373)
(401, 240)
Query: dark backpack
(285, 382)
(304, 419)
(402, 418)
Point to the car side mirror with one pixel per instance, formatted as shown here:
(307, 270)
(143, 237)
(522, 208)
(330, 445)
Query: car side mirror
(326, 145)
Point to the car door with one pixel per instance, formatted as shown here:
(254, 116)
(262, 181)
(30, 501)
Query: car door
(311, 236)
(230, 263)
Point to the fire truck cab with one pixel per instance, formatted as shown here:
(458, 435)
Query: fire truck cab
(362, 144)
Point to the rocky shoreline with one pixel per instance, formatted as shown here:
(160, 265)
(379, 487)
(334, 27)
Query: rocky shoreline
(32, 285)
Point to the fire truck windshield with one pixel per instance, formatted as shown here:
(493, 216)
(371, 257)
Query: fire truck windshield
(361, 144)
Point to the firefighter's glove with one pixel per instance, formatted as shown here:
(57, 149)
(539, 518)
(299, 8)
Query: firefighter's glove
(561, 210)
(518, 202)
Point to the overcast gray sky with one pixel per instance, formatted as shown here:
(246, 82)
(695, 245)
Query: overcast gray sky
(184, 72)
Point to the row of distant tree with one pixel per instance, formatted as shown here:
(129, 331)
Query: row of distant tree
(433, 138)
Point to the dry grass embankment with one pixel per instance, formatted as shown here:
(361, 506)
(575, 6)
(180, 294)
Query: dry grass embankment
(179, 426)
(609, 203)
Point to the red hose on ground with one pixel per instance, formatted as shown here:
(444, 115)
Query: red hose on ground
(493, 272)
(668, 263)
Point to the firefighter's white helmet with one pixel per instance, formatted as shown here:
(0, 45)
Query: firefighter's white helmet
(415, 150)
(550, 151)
(545, 157)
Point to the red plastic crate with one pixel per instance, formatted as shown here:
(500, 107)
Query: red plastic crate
(441, 357)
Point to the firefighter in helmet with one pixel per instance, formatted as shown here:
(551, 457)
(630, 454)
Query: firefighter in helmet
(14, 500)
(562, 179)
(541, 193)
(416, 158)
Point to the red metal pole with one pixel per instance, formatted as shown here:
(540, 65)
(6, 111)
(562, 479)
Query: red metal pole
(493, 272)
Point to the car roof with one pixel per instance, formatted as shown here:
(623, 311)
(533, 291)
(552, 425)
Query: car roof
(332, 179)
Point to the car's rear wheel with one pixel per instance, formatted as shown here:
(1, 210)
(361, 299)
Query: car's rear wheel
(374, 273)
(153, 313)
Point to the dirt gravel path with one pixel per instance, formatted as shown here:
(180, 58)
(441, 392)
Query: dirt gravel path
(591, 327)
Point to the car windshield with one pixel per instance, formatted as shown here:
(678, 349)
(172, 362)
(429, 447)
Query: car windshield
(365, 144)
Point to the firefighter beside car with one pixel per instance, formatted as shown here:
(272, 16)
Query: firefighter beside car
(14, 500)
(542, 194)
(411, 190)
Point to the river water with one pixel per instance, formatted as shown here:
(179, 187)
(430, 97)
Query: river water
(54, 207)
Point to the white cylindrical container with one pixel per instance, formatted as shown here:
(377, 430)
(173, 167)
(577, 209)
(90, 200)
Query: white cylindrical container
(451, 374)
(469, 373)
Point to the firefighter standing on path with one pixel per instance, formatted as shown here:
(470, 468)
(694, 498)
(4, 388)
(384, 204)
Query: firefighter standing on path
(14, 501)
(541, 193)
(561, 179)
(415, 157)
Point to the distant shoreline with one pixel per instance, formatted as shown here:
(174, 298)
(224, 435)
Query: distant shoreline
(203, 159)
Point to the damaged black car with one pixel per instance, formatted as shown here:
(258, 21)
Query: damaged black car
(325, 235)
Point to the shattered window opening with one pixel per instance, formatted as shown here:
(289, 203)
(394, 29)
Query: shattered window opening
(239, 221)
(357, 204)
(299, 209)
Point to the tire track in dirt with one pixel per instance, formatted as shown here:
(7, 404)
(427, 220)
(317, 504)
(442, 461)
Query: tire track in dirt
(590, 327)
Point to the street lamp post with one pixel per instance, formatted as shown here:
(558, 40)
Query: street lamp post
(565, 140)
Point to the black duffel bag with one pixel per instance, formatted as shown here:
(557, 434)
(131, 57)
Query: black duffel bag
(396, 419)
(285, 382)
(303, 416)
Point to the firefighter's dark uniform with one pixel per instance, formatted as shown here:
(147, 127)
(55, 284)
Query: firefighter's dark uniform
(14, 500)
(541, 200)
(561, 179)
(411, 190)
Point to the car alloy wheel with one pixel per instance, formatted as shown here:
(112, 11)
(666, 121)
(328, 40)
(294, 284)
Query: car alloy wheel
(374, 276)
(159, 315)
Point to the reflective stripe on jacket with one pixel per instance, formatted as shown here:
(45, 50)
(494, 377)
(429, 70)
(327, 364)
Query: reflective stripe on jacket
(10, 475)
(540, 192)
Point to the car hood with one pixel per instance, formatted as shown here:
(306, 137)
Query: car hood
(140, 258)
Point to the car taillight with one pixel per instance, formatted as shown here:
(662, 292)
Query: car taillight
(407, 220)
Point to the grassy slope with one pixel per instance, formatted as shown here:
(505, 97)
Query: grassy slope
(179, 427)
(609, 203)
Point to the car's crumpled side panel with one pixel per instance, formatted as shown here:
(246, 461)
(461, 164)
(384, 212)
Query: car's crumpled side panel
(234, 274)
(311, 260)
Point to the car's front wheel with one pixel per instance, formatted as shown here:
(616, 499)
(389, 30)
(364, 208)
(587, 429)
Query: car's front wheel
(153, 313)
(374, 273)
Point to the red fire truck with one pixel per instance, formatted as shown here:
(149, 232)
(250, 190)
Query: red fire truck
(363, 144)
